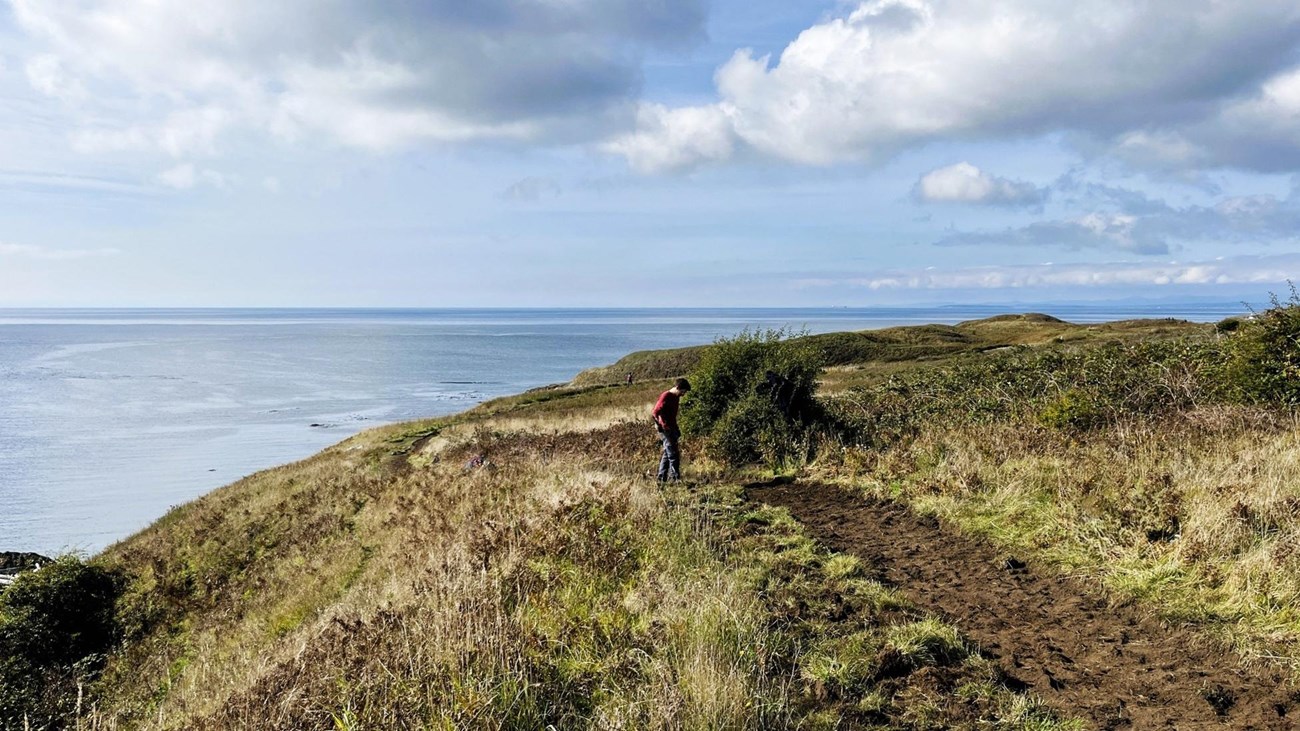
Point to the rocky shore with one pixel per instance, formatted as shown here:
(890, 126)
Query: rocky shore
(13, 563)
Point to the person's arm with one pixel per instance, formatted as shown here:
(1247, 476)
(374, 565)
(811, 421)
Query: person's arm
(658, 409)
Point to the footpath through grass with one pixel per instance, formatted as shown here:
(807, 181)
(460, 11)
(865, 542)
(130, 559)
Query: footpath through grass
(383, 584)
(1163, 469)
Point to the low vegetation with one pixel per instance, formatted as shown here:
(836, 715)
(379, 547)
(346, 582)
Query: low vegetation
(56, 627)
(753, 399)
(855, 357)
(1264, 366)
(1164, 469)
(511, 567)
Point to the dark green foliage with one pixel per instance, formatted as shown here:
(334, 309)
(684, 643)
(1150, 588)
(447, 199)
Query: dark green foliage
(1068, 389)
(912, 343)
(1228, 325)
(56, 625)
(753, 398)
(755, 430)
(1265, 364)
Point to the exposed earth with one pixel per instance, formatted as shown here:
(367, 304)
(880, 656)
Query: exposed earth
(1110, 665)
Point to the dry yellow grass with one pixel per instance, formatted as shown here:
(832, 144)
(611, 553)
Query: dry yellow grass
(384, 585)
(351, 590)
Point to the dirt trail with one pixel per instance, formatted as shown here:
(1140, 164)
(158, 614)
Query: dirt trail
(1111, 666)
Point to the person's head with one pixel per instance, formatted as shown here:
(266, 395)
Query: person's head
(681, 385)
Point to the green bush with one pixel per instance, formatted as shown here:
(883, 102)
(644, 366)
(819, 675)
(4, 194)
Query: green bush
(1073, 410)
(1265, 362)
(1062, 387)
(56, 625)
(753, 398)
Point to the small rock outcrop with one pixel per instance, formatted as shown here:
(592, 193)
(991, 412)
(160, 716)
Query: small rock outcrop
(13, 563)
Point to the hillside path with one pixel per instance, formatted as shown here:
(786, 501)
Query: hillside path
(1111, 666)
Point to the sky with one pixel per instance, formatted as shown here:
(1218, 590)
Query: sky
(442, 153)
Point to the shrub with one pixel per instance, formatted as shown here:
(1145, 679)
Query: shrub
(1265, 360)
(753, 397)
(1073, 410)
(1063, 387)
(56, 625)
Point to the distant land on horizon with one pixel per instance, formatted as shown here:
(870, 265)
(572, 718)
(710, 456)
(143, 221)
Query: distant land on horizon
(1259, 299)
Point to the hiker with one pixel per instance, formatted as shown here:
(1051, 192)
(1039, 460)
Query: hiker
(629, 378)
(665, 418)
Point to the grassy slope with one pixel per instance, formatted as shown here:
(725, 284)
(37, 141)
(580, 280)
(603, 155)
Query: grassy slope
(858, 356)
(353, 590)
(380, 584)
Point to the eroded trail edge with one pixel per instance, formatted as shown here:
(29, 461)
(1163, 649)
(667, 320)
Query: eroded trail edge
(1111, 666)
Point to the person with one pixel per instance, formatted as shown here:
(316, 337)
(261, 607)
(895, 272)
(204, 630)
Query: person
(665, 418)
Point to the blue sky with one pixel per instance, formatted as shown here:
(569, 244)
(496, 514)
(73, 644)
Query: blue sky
(628, 153)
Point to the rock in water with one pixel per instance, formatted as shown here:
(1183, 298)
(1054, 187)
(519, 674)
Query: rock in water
(13, 562)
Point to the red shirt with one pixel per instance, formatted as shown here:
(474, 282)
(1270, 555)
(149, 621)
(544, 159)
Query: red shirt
(665, 411)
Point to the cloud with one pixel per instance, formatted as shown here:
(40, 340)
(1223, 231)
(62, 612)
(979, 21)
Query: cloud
(186, 176)
(188, 131)
(887, 75)
(45, 74)
(531, 190)
(668, 140)
(1090, 231)
(179, 77)
(37, 180)
(965, 183)
(1127, 220)
(1230, 271)
(27, 251)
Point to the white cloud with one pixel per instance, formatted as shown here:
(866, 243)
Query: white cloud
(531, 189)
(1126, 220)
(1095, 230)
(189, 131)
(965, 183)
(45, 74)
(28, 251)
(181, 177)
(180, 76)
(1239, 271)
(893, 74)
(185, 176)
(36, 180)
(667, 140)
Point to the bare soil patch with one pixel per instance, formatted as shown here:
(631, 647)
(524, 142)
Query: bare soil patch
(1111, 665)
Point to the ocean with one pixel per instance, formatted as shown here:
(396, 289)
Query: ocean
(110, 417)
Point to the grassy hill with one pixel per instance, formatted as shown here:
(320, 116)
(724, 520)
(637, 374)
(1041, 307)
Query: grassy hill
(879, 351)
(393, 582)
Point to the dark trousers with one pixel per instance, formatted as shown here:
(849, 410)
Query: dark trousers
(670, 465)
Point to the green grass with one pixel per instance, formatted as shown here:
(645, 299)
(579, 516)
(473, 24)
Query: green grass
(864, 357)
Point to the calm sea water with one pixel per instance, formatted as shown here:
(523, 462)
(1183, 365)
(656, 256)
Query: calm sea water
(110, 417)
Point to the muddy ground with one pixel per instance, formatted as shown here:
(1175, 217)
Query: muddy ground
(1112, 666)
